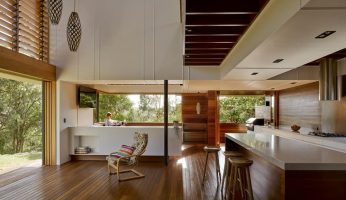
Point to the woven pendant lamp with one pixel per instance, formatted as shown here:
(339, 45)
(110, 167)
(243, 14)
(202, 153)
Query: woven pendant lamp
(54, 11)
(74, 31)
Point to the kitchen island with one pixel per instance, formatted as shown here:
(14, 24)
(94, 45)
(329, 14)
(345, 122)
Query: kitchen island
(105, 139)
(291, 169)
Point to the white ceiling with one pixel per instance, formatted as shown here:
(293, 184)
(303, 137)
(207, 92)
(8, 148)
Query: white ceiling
(295, 41)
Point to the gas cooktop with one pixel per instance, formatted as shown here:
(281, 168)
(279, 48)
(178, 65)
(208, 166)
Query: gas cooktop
(322, 134)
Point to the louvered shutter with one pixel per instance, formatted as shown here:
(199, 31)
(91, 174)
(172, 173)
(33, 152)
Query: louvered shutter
(24, 27)
(7, 23)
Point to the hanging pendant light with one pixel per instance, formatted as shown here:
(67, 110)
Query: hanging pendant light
(54, 11)
(74, 30)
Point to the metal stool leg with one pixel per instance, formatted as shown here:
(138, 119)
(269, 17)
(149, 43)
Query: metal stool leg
(205, 167)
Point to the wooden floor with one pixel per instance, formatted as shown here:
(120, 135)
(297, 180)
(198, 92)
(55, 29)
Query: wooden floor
(90, 180)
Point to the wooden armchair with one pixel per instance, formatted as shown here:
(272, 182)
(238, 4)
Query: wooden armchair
(141, 141)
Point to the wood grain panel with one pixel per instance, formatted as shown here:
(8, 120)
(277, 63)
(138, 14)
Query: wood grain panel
(300, 105)
(231, 128)
(20, 64)
(194, 125)
(315, 185)
(213, 118)
(49, 125)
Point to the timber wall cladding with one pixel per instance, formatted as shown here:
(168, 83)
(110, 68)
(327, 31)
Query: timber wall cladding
(194, 125)
(300, 105)
(213, 119)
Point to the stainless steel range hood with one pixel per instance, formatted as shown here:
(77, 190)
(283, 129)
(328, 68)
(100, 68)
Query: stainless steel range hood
(328, 80)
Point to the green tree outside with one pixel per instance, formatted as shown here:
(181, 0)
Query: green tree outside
(20, 117)
(119, 105)
(237, 109)
(149, 108)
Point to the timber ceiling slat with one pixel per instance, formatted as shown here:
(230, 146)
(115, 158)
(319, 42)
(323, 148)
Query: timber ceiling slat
(212, 28)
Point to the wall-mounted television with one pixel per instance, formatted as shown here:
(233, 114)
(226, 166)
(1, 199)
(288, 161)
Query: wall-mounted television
(87, 97)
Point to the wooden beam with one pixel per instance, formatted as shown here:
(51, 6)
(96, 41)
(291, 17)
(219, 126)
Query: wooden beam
(23, 65)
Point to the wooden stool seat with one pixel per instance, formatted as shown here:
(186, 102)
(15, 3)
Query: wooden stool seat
(232, 154)
(212, 148)
(215, 150)
(240, 173)
(241, 162)
(227, 167)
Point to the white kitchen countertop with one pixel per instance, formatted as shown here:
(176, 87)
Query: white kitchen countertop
(290, 154)
(334, 143)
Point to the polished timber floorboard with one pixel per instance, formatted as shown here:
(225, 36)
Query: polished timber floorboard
(181, 179)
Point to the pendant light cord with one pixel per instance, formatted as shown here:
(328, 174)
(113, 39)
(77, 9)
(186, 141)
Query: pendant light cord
(74, 6)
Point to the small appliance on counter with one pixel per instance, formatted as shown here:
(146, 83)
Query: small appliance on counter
(251, 122)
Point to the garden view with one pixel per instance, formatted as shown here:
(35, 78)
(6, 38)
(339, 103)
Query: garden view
(20, 124)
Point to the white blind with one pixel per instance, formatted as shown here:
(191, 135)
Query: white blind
(24, 27)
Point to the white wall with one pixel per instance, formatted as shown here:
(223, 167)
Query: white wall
(67, 109)
(121, 40)
(69, 115)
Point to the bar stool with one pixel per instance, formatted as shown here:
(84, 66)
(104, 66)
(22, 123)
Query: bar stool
(226, 169)
(239, 169)
(215, 150)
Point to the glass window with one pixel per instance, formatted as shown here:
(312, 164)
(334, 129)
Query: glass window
(237, 109)
(139, 107)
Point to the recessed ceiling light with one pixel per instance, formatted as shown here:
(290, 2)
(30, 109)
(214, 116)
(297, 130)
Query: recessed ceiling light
(293, 83)
(254, 73)
(188, 30)
(324, 34)
(278, 60)
(187, 56)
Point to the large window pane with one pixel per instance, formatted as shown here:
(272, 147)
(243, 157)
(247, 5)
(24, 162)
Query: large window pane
(139, 107)
(237, 109)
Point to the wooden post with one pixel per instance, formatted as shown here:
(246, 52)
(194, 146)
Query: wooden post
(166, 122)
(213, 119)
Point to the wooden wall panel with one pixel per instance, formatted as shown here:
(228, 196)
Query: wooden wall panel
(213, 118)
(194, 125)
(231, 128)
(49, 125)
(300, 105)
(16, 63)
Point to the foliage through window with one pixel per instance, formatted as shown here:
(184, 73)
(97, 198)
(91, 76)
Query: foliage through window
(20, 117)
(139, 108)
(24, 27)
(237, 109)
